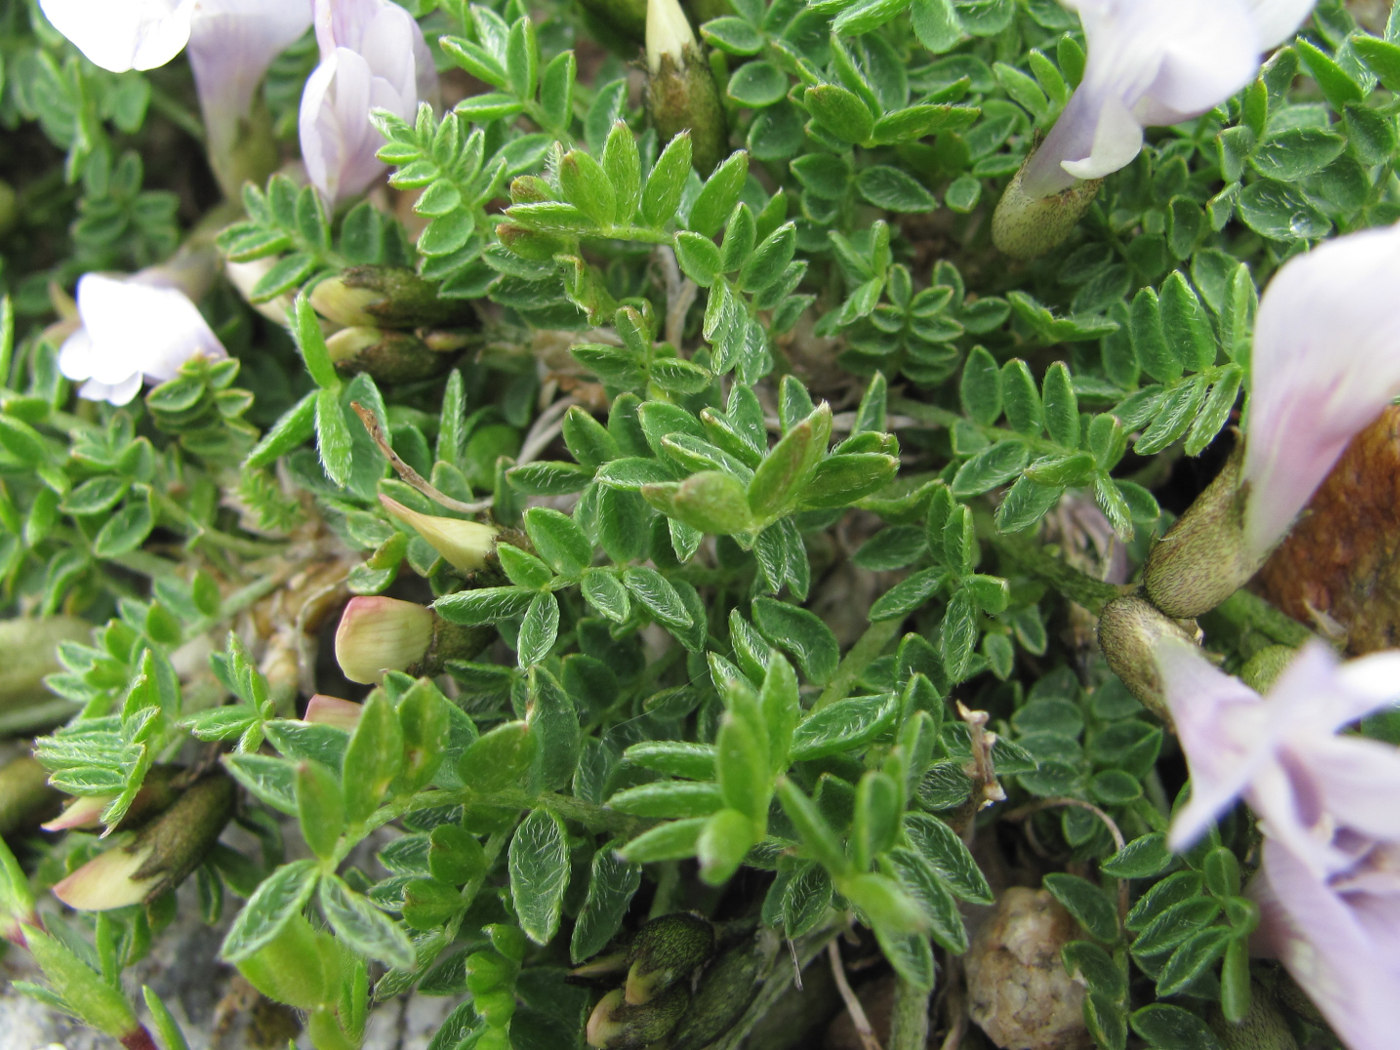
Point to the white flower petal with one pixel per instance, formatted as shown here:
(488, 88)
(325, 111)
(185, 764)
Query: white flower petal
(1277, 20)
(1324, 367)
(75, 356)
(123, 34)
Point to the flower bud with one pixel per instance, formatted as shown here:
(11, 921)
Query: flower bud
(160, 856)
(155, 796)
(464, 544)
(667, 950)
(332, 711)
(1203, 558)
(681, 92)
(25, 795)
(1024, 227)
(244, 276)
(617, 1025)
(726, 989)
(387, 296)
(388, 356)
(378, 634)
(1130, 631)
(86, 992)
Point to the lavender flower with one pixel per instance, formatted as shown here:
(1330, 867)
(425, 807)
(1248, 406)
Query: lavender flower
(1152, 64)
(1329, 888)
(231, 44)
(373, 56)
(133, 328)
(1324, 367)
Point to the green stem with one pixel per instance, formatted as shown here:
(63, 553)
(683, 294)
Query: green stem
(1036, 560)
(1245, 612)
(177, 114)
(861, 655)
(909, 1022)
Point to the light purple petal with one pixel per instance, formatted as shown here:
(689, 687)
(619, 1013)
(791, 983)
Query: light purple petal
(123, 34)
(1220, 722)
(232, 43)
(1350, 969)
(1324, 366)
(1149, 64)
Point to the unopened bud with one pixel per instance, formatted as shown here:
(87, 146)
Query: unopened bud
(387, 297)
(618, 1025)
(160, 856)
(1024, 227)
(332, 711)
(245, 276)
(155, 796)
(1130, 632)
(1203, 558)
(464, 544)
(726, 989)
(667, 950)
(389, 356)
(681, 91)
(378, 634)
(535, 245)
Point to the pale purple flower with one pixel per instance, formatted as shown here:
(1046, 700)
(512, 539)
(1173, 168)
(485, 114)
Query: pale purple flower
(1152, 63)
(1338, 936)
(373, 56)
(133, 328)
(1329, 886)
(1325, 365)
(231, 45)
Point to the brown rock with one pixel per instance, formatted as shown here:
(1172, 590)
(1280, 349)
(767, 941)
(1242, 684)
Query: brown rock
(1341, 562)
(1017, 990)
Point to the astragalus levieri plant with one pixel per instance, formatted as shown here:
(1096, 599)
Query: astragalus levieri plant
(584, 514)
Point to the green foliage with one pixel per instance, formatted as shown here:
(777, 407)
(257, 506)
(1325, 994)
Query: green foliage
(800, 493)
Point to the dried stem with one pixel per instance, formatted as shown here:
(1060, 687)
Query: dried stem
(407, 473)
(853, 1007)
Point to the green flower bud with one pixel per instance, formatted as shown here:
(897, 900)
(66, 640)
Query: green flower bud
(1203, 558)
(388, 356)
(1130, 630)
(1024, 227)
(666, 950)
(466, 545)
(378, 634)
(726, 989)
(155, 796)
(387, 297)
(160, 856)
(616, 1024)
(681, 91)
